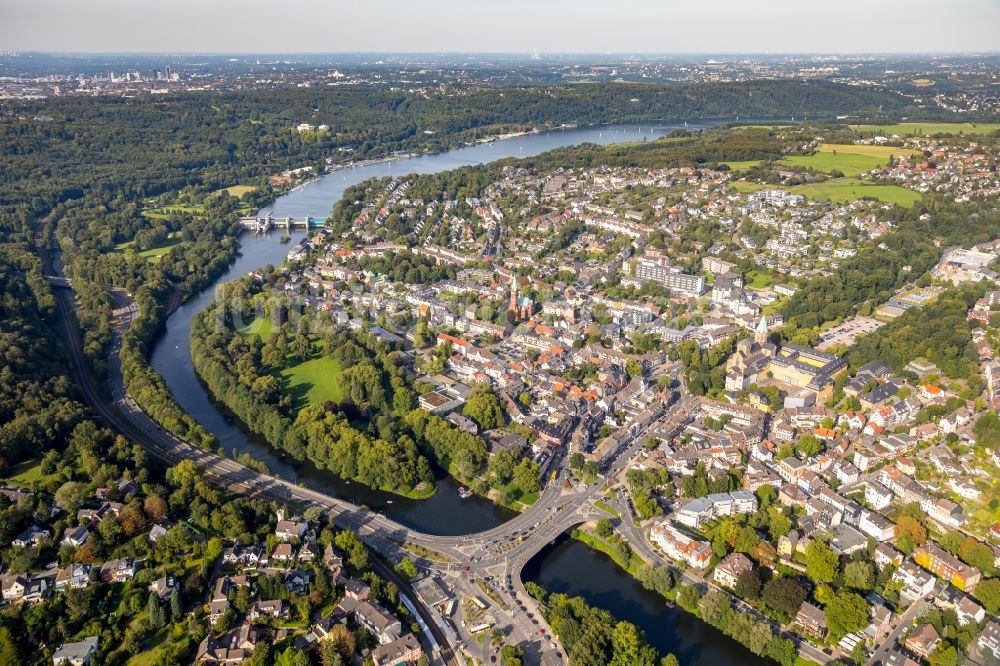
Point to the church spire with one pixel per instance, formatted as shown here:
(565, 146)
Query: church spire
(760, 335)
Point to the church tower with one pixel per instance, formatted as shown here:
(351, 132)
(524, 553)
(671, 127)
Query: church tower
(513, 296)
(760, 334)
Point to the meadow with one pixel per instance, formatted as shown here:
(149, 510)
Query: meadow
(312, 382)
(842, 190)
(154, 254)
(924, 129)
(849, 159)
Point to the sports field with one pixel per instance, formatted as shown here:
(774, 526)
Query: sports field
(924, 129)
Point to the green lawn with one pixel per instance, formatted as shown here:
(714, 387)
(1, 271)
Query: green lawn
(25, 473)
(604, 506)
(759, 279)
(846, 190)
(850, 164)
(742, 166)
(153, 254)
(261, 327)
(313, 382)
(849, 159)
(922, 129)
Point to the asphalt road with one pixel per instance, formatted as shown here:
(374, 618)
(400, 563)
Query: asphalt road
(499, 552)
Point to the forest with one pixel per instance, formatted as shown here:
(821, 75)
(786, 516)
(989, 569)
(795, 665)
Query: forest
(886, 264)
(38, 406)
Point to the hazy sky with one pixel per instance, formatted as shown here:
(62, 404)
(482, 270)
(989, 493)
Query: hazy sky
(592, 26)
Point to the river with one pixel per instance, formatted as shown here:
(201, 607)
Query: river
(445, 513)
(570, 567)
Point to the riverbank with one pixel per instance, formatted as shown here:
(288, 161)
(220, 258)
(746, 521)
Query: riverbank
(445, 513)
(572, 567)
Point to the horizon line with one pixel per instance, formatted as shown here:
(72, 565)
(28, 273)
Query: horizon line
(18, 52)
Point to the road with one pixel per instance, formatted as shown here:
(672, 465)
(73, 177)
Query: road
(903, 622)
(496, 555)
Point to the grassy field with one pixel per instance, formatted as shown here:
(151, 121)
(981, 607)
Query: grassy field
(153, 254)
(604, 506)
(261, 327)
(741, 166)
(842, 190)
(759, 279)
(26, 473)
(849, 159)
(846, 190)
(173, 210)
(236, 190)
(313, 382)
(923, 129)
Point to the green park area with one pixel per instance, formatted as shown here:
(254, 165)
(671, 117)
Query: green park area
(759, 278)
(313, 382)
(848, 159)
(260, 327)
(154, 254)
(926, 129)
(186, 206)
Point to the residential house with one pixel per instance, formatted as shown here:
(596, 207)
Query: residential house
(403, 650)
(810, 620)
(356, 589)
(76, 654)
(679, 546)
(290, 529)
(75, 537)
(118, 571)
(32, 537)
(75, 576)
(275, 608)
(384, 626)
(916, 583)
(728, 571)
(922, 640)
(989, 638)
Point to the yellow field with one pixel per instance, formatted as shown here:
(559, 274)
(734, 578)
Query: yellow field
(237, 190)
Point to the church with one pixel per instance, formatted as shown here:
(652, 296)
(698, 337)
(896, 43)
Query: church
(520, 307)
(758, 361)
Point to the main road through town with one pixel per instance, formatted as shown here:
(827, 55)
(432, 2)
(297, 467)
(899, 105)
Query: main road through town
(465, 561)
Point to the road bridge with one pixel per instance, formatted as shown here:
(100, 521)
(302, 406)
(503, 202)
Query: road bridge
(499, 553)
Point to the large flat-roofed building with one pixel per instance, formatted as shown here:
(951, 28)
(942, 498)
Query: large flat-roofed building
(671, 278)
(699, 511)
